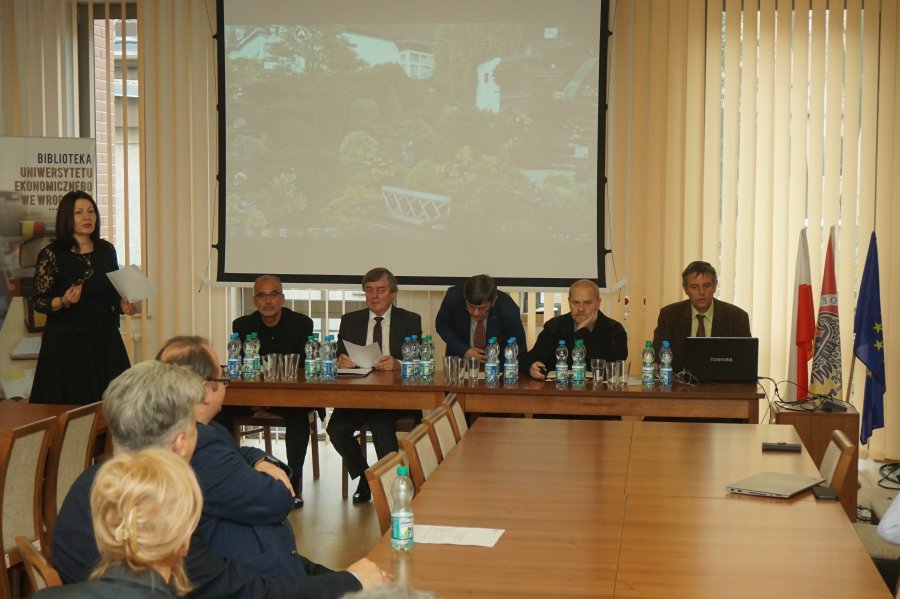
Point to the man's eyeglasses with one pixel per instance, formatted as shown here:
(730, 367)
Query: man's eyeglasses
(224, 381)
(87, 275)
(272, 295)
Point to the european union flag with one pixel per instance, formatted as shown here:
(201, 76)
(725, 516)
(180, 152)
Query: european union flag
(868, 344)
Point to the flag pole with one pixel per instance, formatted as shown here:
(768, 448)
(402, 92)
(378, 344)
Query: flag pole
(850, 382)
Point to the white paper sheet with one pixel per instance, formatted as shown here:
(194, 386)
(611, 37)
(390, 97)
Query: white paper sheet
(363, 356)
(360, 372)
(131, 283)
(456, 535)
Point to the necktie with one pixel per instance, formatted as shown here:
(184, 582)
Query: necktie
(480, 340)
(701, 328)
(376, 331)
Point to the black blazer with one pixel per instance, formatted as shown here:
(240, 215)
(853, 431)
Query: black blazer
(674, 325)
(355, 326)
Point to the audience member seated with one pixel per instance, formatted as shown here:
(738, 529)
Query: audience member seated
(474, 312)
(698, 316)
(144, 508)
(152, 405)
(387, 325)
(603, 337)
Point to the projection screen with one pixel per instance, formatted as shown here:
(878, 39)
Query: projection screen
(438, 139)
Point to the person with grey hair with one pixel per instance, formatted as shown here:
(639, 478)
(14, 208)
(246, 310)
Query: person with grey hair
(387, 325)
(475, 311)
(155, 403)
(247, 494)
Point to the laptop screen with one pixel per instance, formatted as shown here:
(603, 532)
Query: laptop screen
(722, 359)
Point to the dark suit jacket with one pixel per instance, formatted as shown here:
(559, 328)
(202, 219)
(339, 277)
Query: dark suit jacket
(355, 326)
(75, 555)
(674, 325)
(454, 324)
(607, 340)
(117, 582)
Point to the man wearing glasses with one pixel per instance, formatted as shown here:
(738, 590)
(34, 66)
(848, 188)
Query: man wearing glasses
(474, 312)
(385, 324)
(280, 331)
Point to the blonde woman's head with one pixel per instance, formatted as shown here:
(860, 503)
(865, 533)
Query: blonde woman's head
(145, 506)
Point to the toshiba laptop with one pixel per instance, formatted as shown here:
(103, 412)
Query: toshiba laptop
(773, 484)
(722, 359)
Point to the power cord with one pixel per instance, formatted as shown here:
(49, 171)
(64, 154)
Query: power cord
(890, 476)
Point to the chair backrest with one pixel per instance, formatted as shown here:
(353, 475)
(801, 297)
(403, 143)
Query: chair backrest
(39, 571)
(421, 455)
(457, 416)
(71, 452)
(380, 476)
(836, 461)
(438, 423)
(23, 457)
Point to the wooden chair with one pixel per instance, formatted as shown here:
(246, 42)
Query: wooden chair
(402, 426)
(72, 451)
(457, 416)
(836, 461)
(262, 422)
(23, 458)
(421, 454)
(40, 573)
(438, 423)
(380, 476)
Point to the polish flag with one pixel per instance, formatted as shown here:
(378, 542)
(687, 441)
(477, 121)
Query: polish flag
(803, 325)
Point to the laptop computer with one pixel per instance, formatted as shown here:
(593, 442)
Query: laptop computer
(722, 359)
(773, 484)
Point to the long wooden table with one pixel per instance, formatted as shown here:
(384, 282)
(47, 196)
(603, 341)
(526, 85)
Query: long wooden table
(629, 509)
(14, 414)
(528, 396)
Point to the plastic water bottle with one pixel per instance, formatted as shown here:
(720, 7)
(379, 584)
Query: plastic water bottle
(426, 360)
(402, 492)
(329, 359)
(492, 362)
(562, 362)
(665, 366)
(317, 359)
(648, 358)
(578, 366)
(234, 356)
(511, 361)
(416, 358)
(309, 363)
(406, 361)
(251, 358)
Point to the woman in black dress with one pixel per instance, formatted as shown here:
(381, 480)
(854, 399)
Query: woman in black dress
(81, 349)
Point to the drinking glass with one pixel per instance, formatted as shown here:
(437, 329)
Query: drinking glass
(460, 369)
(272, 367)
(472, 366)
(598, 367)
(454, 367)
(610, 376)
(291, 367)
(448, 360)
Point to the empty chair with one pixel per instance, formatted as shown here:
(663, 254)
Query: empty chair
(457, 416)
(441, 431)
(71, 452)
(836, 461)
(380, 476)
(23, 457)
(421, 454)
(40, 573)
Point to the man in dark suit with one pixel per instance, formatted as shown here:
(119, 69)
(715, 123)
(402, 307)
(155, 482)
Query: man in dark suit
(603, 337)
(698, 316)
(385, 324)
(280, 331)
(474, 312)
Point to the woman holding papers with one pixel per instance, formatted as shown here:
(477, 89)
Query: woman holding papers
(81, 349)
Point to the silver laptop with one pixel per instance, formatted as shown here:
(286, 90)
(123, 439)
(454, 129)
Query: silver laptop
(722, 359)
(774, 484)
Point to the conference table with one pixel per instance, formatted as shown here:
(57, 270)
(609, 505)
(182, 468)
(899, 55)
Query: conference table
(384, 389)
(14, 414)
(628, 509)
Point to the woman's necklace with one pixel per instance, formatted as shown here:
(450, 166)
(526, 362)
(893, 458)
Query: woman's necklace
(85, 256)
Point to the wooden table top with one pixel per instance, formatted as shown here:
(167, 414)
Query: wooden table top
(582, 518)
(14, 414)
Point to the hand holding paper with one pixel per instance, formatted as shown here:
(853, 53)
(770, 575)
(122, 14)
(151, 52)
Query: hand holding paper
(363, 356)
